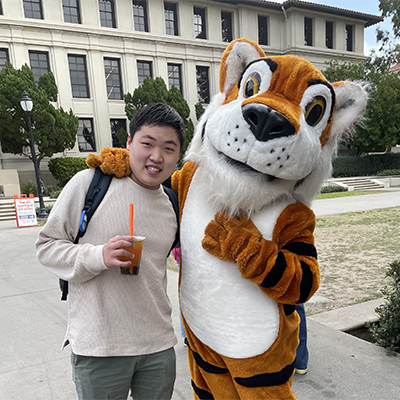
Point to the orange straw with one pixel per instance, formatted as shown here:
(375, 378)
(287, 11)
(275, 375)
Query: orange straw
(130, 219)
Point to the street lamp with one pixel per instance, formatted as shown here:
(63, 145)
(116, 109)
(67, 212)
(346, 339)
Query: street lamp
(27, 105)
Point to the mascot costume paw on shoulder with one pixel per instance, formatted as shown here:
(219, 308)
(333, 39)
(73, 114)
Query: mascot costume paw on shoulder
(259, 156)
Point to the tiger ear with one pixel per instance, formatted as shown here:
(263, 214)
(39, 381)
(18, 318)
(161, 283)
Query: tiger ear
(351, 101)
(237, 56)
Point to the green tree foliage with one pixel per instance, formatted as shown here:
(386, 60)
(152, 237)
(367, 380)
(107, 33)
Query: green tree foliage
(155, 91)
(54, 130)
(386, 332)
(391, 8)
(380, 129)
(64, 168)
(199, 109)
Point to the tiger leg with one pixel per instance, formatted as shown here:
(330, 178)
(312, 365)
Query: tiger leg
(210, 377)
(269, 375)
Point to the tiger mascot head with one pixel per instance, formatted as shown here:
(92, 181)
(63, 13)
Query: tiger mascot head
(272, 129)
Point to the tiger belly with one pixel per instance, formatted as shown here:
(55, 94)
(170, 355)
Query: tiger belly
(226, 312)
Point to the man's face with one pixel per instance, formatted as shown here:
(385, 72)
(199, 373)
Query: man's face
(153, 154)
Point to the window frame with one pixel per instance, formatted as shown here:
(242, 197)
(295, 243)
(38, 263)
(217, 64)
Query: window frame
(33, 12)
(349, 39)
(262, 21)
(137, 17)
(201, 12)
(228, 28)
(200, 98)
(39, 70)
(103, 13)
(174, 20)
(116, 78)
(76, 86)
(308, 31)
(67, 11)
(329, 34)
(176, 76)
(6, 58)
(113, 124)
(79, 134)
(139, 65)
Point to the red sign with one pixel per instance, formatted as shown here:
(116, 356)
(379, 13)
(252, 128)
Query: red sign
(25, 210)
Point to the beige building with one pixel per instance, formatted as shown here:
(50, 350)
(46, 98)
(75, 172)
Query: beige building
(100, 49)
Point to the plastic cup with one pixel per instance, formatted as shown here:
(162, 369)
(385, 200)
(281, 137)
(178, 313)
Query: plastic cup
(133, 269)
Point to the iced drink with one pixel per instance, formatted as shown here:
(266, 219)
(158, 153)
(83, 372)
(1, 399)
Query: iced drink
(133, 269)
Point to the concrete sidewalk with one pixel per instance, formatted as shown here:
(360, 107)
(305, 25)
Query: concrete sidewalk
(33, 323)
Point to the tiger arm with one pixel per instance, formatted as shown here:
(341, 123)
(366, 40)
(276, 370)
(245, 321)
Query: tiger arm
(285, 268)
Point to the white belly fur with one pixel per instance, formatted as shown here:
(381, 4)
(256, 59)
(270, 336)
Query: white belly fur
(226, 312)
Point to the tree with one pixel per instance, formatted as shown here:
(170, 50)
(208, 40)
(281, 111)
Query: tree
(54, 130)
(380, 129)
(391, 8)
(155, 91)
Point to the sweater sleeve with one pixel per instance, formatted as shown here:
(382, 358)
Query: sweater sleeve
(55, 246)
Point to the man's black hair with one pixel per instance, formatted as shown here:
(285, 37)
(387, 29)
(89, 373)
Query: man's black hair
(158, 114)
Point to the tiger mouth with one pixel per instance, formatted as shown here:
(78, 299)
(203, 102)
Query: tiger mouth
(246, 168)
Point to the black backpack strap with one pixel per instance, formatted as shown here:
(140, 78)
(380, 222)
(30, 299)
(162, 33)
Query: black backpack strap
(97, 189)
(173, 197)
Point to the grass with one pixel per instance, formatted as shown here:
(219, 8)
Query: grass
(336, 195)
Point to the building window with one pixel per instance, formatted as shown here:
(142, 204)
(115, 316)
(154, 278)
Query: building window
(329, 34)
(171, 19)
(145, 70)
(140, 15)
(174, 76)
(262, 30)
(107, 17)
(85, 135)
(349, 37)
(226, 26)
(203, 87)
(112, 73)
(3, 58)
(39, 61)
(33, 9)
(71, 11)
(116, 126)
(79, 79)
(200, 23)
(1, 8)
(308, 31)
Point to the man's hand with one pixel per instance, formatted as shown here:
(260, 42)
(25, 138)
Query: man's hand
(112, 251)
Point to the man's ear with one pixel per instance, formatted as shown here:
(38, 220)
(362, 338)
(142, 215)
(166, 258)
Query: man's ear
(351, 101)
(237, 56)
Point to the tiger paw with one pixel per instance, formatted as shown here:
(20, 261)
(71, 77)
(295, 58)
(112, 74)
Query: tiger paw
(112, 161)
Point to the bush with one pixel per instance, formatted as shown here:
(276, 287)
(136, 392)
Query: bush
(388, 172)
(373, 164)
(30, 188)
(47, 208)
(386, 332)
(333, 189)
(63, 169)
(54, 191)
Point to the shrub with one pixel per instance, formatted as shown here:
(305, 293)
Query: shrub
(63, 169)
(333, 189)
(386, 332)
(54, 191)
(30, 188)
(47, 208)
(372, 164)
(388, 172)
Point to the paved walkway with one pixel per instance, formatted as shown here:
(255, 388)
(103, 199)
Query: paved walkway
(33, 322)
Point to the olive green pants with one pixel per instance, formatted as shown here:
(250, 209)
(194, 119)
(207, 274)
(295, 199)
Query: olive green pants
(149, 377)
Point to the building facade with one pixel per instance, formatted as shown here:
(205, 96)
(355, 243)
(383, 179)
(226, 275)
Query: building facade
(100, 49)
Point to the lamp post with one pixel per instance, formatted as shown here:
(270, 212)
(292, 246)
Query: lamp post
(27, 105)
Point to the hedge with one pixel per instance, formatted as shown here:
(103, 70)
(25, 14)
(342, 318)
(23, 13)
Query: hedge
(64, 168)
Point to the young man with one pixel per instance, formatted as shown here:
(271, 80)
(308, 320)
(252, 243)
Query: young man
(119, 326)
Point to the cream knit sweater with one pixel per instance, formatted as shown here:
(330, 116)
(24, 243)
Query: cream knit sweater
(111, 314)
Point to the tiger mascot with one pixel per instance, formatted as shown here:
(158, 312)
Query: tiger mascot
(259, 156)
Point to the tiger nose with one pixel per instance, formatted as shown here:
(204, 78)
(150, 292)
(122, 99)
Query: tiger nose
(266, 123)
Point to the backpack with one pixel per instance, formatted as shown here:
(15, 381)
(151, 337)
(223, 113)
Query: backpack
(97, 189)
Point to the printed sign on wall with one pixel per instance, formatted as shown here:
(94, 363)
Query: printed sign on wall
(25, 210)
